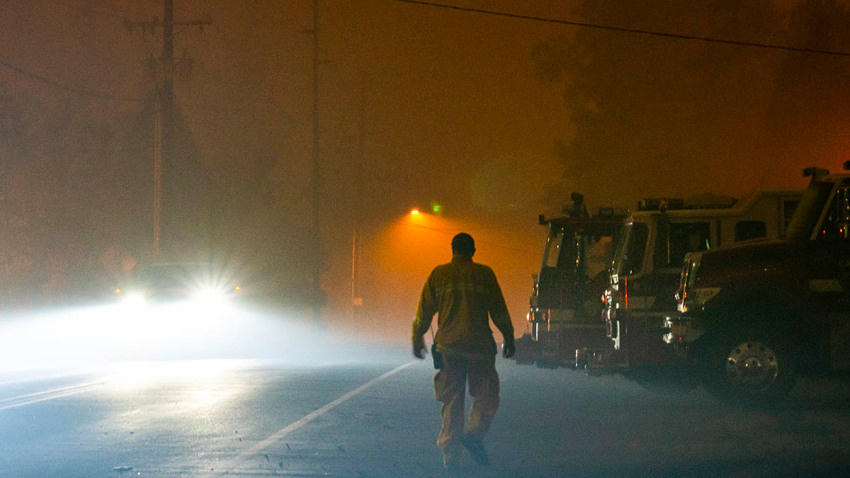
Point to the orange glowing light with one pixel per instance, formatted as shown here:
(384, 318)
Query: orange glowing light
(414, 212)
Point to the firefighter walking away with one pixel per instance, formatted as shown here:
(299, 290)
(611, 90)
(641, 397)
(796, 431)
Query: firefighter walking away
(464, 295)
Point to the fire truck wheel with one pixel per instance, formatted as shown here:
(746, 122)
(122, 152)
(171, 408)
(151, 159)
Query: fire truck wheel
(752, 368)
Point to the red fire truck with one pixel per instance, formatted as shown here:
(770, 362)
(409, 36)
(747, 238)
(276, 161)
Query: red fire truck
(565, 302)
(754, 317)
(647, 266)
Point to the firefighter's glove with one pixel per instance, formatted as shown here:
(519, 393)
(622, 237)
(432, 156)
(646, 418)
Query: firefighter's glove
(509, 349)
(419, 346)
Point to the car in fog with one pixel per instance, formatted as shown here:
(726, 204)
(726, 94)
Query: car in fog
(198, 282)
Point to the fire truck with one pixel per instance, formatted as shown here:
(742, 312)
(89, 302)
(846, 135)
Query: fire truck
(754, 317)
(647, 265)
(565, 301)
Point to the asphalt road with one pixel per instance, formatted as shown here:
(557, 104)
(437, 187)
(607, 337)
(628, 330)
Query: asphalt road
(375, 416)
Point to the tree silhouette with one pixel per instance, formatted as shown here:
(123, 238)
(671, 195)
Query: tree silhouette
(656, 115)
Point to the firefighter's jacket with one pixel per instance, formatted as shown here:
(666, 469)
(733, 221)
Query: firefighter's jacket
(465, 295)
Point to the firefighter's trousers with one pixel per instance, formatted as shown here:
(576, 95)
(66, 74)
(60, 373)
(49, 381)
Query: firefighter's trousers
(450, 389)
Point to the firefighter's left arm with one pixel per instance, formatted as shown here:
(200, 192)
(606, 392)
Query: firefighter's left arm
(500, 315)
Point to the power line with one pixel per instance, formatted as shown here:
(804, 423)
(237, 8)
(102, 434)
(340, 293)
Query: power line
(103, 10)
(72, 89)
(627, 30)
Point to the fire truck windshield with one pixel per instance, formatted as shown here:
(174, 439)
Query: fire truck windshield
(576, 253)
(553, 248)
(628, 259)
(809, 210)
(597, 254)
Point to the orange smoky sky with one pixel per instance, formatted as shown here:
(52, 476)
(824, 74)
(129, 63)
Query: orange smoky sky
(417, 104)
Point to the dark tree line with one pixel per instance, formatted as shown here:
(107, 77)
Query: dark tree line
(654, 115)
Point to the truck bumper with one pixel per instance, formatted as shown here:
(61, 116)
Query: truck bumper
(560, 347)
(682, 330)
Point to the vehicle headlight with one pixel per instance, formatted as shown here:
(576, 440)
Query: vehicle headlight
(133, 298)
(209, 294)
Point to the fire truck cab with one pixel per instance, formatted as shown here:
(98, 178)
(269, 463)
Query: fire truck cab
(565, 301)
(647, 265)
(755, 316)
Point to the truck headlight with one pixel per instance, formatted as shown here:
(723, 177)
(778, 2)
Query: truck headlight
(681, 330)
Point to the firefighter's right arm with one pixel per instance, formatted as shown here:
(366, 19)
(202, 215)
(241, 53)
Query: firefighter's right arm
(424, 315)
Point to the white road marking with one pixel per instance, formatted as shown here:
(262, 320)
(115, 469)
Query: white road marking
(29, 399)
(280, 434)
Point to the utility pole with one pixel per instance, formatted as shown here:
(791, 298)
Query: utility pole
(165, 107)
(164, 113)
(316, 180)
(357, 240)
